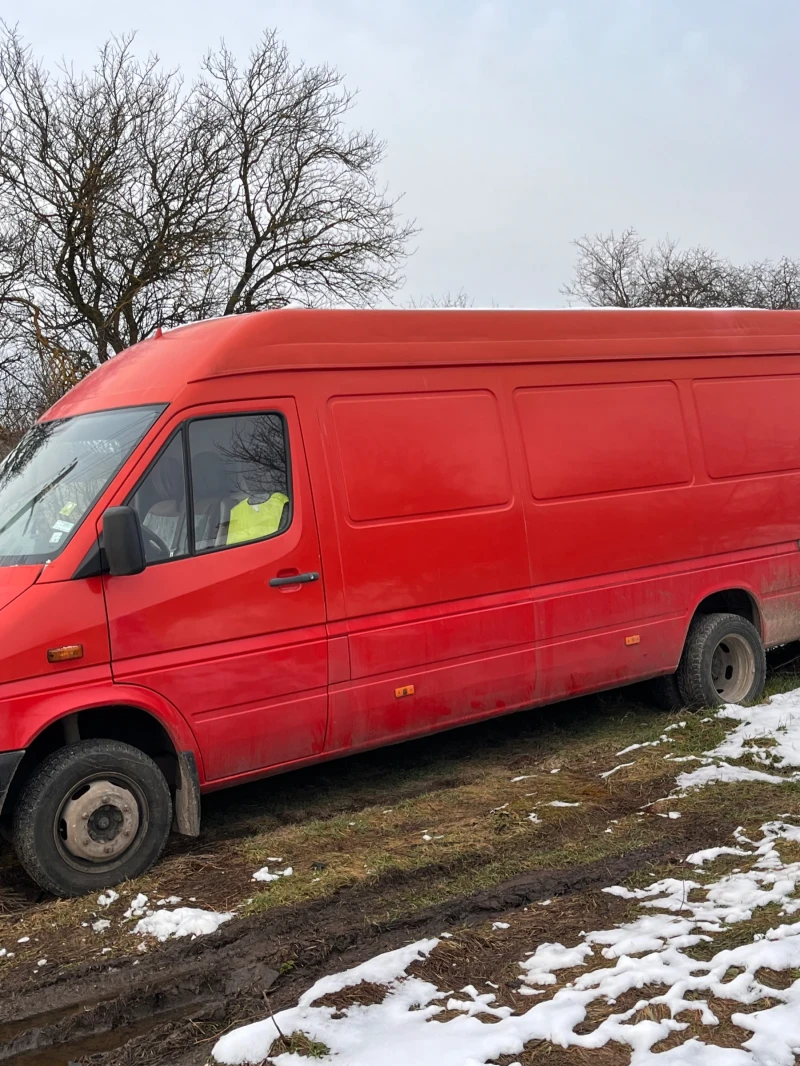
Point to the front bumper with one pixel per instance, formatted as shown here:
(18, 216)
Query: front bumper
(9, 761)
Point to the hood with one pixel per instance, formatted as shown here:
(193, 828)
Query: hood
(14, 580)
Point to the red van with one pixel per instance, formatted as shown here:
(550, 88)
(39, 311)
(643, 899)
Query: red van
(258, 542)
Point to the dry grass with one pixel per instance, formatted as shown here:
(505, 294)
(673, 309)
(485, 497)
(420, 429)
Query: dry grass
(364, 994)
(298, 1043)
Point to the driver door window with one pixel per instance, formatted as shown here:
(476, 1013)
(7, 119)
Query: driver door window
(240, 487)
(240, 479)
(160, 502)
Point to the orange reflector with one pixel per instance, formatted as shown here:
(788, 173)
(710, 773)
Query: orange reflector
(406, 690)
(632, 640)
(63, 655)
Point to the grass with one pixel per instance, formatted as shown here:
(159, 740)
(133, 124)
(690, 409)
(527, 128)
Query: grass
(298, 1043)
(451, 827)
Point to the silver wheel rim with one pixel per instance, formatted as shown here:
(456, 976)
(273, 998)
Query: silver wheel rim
(733, 668)
(100, 822)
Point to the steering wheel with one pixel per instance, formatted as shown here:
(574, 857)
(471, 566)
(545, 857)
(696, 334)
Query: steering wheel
(161, 548)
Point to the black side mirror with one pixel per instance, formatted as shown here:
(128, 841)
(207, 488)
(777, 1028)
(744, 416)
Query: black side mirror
(123, 541)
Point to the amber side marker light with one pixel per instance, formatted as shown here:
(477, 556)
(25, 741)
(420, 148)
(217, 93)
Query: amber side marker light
(63, 655)
(406, 690)
(632, 640)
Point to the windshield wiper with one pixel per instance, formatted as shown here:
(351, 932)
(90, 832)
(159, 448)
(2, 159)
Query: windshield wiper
(29, 506)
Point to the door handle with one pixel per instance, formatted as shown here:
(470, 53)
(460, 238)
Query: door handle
(293, 579)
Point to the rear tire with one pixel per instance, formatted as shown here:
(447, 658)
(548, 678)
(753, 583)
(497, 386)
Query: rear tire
(665, 693)
(723, 662)
(91, 815)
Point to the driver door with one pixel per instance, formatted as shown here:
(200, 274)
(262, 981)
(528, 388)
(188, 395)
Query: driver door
(243, 660)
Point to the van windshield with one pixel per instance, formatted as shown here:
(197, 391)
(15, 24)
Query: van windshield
(50, 481)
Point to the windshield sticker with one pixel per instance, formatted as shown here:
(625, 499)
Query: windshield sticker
(67, 509)
(56, 537)
(62, 526)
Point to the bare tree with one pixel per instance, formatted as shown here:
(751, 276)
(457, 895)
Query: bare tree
(458, 301)
(129, 200)
(621, 271)
(775, 285)
(308, 221)
(118, 181)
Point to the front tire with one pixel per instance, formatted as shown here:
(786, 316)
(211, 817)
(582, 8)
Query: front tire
(723, 662)
(91, 815)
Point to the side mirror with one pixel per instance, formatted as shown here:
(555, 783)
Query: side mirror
(123, 541)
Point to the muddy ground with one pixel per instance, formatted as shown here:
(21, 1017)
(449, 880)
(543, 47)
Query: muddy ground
(388, 848)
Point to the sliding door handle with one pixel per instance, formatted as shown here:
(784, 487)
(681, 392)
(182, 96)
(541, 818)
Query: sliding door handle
(293, 579)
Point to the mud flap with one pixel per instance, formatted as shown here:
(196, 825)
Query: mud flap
(186, 821)
(9, 761)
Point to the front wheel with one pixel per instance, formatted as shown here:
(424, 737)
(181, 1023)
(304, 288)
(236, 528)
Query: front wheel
(723, 662)
(91, 815)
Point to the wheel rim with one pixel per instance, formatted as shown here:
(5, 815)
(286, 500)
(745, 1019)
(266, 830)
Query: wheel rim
(733, 668)
(100, 823)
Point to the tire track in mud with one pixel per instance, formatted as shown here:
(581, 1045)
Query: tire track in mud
(157, 1008)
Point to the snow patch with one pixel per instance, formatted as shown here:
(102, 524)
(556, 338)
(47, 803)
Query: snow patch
(550, 957)
(777, 721)
(185, 921)
(698, 858)
(251, 1043)
(622, 766)
(138, 906)
(264, 875)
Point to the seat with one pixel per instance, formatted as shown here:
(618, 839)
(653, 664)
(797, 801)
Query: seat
(164, 508)
(214, 496)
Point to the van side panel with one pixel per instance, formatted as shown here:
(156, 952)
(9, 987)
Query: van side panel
(625, 529)
(748, 424)
(635, 434)
(583, 627)
(422, 489)
(627, 543)
(613, 528)
(366, 712)
(427, 539)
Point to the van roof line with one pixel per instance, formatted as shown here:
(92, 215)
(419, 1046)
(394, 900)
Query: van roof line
(158, 370)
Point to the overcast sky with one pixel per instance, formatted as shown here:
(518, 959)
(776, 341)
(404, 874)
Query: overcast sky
(515, 126)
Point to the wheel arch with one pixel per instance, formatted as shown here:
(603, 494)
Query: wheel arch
(134, 716)
(738, 600)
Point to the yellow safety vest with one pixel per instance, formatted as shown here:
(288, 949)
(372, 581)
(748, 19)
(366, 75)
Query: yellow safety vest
(252, 521)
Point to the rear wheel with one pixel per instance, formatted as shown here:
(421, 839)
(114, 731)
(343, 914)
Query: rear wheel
(723, 662)
(665, 693)
(92, 814)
